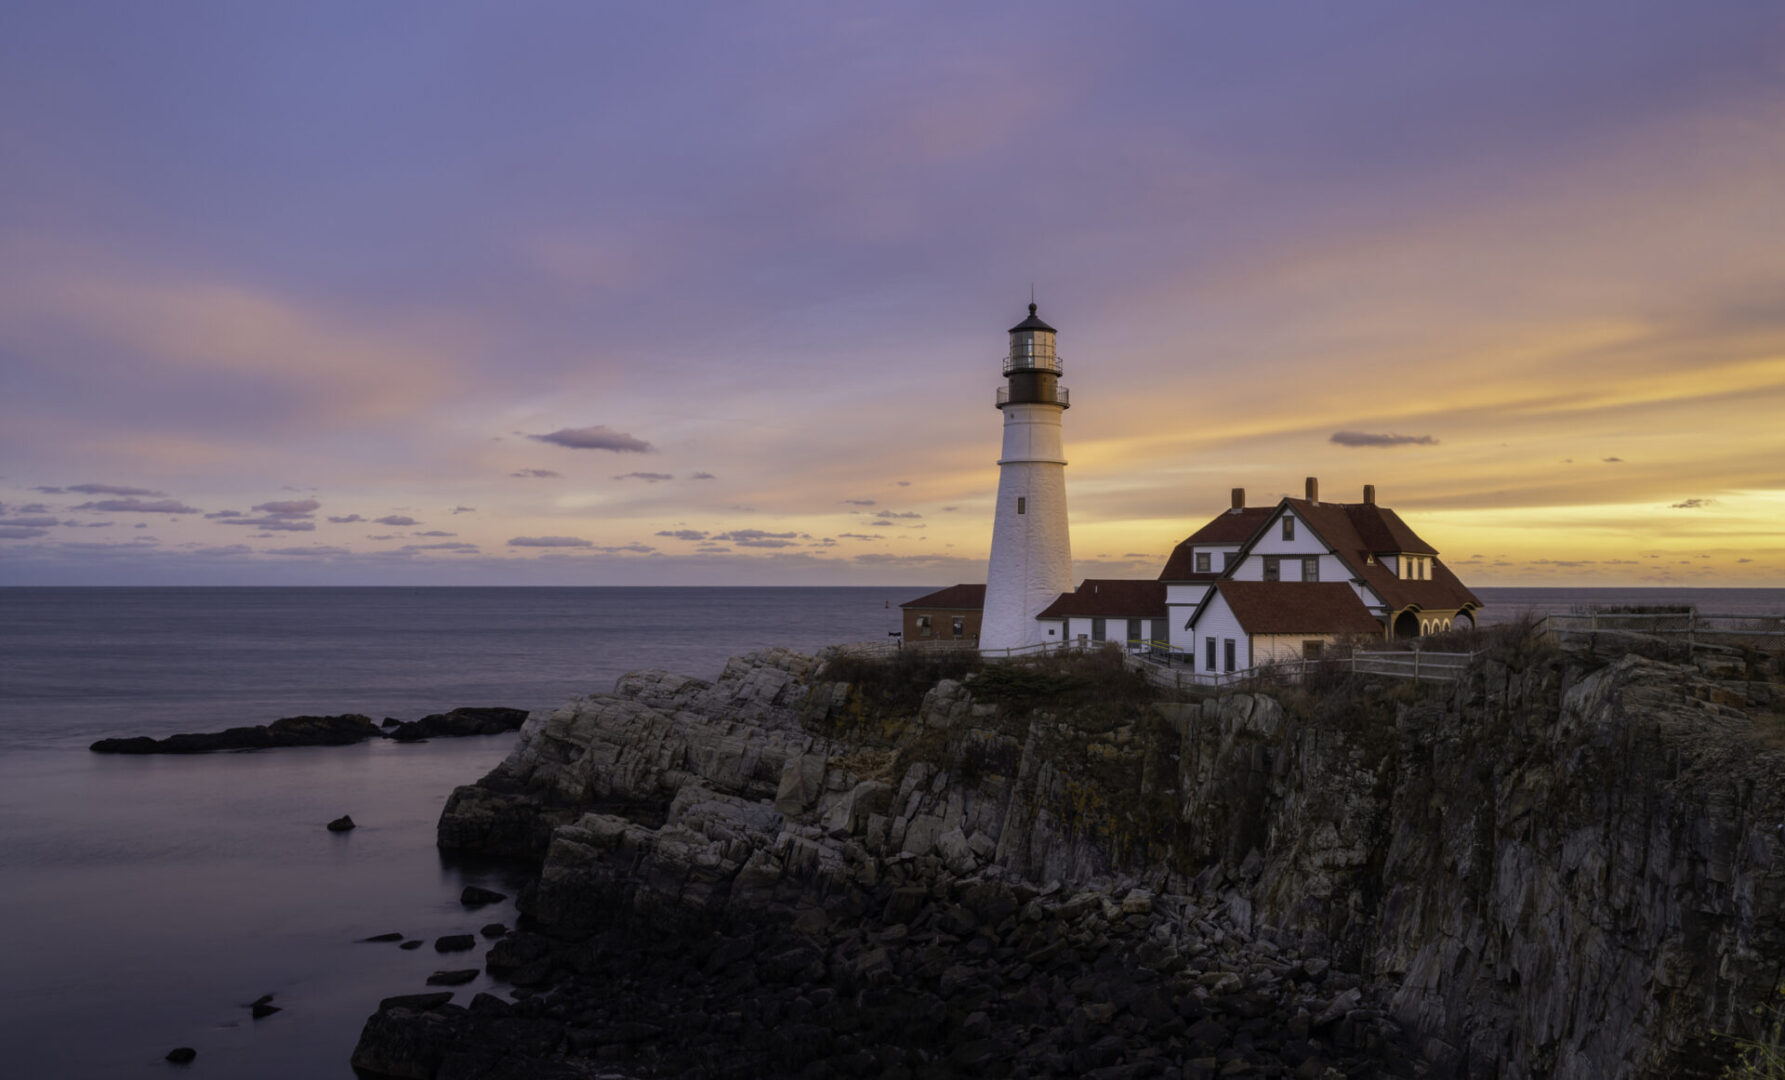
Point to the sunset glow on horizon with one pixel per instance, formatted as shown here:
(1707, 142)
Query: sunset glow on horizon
(717, 294)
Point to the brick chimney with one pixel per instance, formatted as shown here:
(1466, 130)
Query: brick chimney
(1239, 498)
(1369, 494)
(1313, 489)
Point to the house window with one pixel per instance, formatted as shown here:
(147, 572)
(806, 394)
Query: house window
(1202, 562)
(1312, 650)
(1311, 568)
(1098, 631)
(1289, 528)
(960, 626)
(1134, 633)
(1022, 505)
(1227, 558)
(1273, 570)
(1228, 653)
(1209, 655)
(923, 625)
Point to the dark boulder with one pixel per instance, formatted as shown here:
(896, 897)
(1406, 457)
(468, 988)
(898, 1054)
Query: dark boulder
(416, 1002)
(382, 937)
(341, 824)
(477, 896)
(459, 722)
(261, 1010)
(180, 1055)
(412, 943)
(494, 930)
(455, 943)
(341, 730)
(452, 978)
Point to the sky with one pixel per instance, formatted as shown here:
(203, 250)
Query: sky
(716, 293)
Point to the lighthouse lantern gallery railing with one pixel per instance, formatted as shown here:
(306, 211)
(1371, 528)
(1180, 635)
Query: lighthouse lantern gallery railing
(1061, 397)
(1036, 361)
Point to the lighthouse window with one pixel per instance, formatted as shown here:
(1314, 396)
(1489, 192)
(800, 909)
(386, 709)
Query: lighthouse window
(1289, 528)
(1202, 562)
(1022, 505)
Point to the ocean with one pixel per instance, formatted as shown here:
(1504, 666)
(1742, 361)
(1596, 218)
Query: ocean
(149, 900)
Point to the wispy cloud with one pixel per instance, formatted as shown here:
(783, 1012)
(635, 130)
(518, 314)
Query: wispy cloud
(289, 508)
(395, 520)
(683, 534)
(550, 542)
(20, 532)
(103, 489)
(348, 520)
(436, 532)
(702, 476)
(647, 477)
(32, 522)
(1361, 438)
(598, 437)
(1693, 504)
(319, 551)
(534, 474)
(272, 524)
(138, 506)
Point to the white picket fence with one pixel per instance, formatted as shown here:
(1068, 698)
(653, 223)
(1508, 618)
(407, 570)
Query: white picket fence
(1697, 630)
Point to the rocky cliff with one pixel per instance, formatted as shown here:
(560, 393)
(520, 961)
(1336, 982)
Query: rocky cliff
(1547, 872)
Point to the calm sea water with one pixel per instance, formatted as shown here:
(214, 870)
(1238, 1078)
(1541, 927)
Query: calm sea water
(148, 900)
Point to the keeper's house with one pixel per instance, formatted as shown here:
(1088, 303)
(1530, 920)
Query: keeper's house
(1253, 586)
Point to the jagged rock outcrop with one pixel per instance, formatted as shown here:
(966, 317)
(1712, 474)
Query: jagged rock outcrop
(1551, 872)
(1564, 874)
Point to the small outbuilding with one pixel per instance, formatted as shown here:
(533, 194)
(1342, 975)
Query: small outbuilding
(948, 615)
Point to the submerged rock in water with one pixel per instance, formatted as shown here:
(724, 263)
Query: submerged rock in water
(181, 1055)
(455, 943)
(341, 824)
(460, 722)
(341, 730)
(477, 896)
(393, 936)
(453, 978)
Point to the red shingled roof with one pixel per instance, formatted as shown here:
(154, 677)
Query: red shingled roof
(1383, 531)
(957, 597)
(1110, 596)
(1298, 607)
(1228, 527)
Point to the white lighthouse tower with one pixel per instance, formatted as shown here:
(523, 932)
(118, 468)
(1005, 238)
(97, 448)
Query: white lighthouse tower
(1031, 543)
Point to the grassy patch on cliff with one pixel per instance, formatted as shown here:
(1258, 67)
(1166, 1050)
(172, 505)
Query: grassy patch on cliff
(1096, 689)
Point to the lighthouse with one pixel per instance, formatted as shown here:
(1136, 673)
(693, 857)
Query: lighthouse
(1031, 562)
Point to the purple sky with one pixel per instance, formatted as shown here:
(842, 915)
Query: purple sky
(716, 293)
